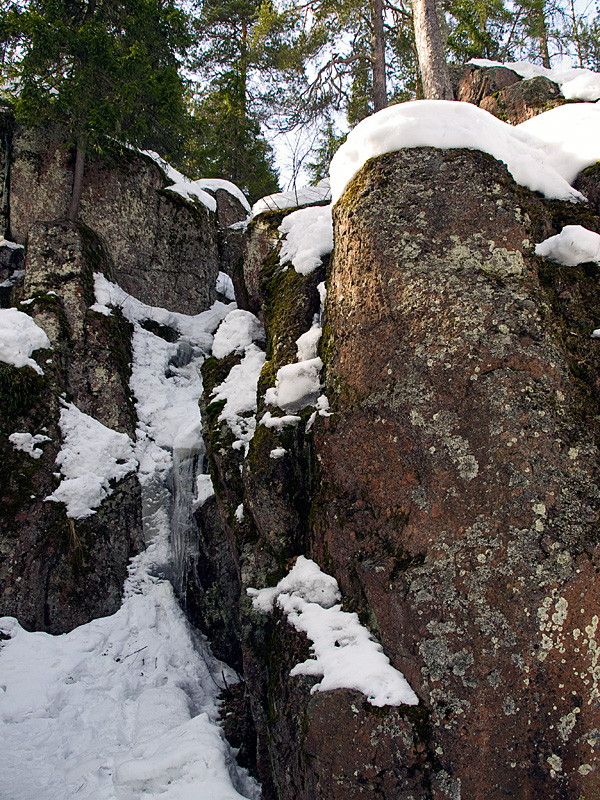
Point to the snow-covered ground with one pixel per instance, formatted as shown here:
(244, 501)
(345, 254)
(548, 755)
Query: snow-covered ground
(125, 707)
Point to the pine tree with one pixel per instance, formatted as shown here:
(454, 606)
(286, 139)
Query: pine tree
(431, 49)
(100, 68)
(246, 53)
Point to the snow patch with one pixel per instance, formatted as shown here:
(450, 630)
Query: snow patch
(204, 491)
(19, 337)
(288, 420)
(224, 286)
(572, 246)
(91, 456)
(123, 707)
(11, 245)
(27, 443)
(345, 654)
(308, 236)
(296, 385)
(239, 392)
(237, 332)
(569, 135)
(214, 184)
(197, 327)
(185, 187)
(307, 195)
(277, 453)
(308, 343)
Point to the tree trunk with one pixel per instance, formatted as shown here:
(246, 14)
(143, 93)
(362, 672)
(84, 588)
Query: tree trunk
(576, 35)
(378, 55)
(77, 180)
(430, 48)
(543, 36)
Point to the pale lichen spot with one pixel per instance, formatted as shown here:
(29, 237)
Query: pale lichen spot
(555, 763)
(566, 724)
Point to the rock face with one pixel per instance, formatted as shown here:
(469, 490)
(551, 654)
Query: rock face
(57, 573)
(505, 94)
(453, 493)
(164, 249)
(459, 473)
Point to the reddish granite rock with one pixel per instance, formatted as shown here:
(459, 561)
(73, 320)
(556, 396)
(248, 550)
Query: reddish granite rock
(459, 501)
(477, 82)
(505, 94)
(523, 100)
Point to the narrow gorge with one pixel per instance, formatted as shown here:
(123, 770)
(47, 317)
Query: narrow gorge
(358, 437)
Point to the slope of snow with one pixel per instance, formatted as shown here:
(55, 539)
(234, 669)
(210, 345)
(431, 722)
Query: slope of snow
(125, 707)
(122, 708)
(199, 327)
(19, 337)
(575, 83)
(345, 654)
(544, 166)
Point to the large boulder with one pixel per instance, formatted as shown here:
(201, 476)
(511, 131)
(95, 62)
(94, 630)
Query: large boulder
(505, 94)
(459, 495)
(164, 248)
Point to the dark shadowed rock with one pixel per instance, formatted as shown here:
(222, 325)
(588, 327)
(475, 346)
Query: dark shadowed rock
(57, 573)
(12, 271)
(459, 498)
(588, 183)
(6, 132)
(261, 240)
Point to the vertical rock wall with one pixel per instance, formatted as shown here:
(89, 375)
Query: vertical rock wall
(57, 573)
(459, 474)
(164, 249)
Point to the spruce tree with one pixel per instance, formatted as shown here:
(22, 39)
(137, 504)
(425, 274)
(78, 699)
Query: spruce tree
(100, 68)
